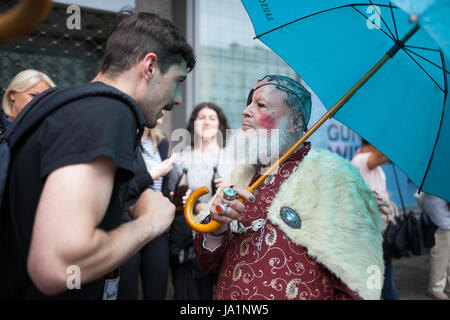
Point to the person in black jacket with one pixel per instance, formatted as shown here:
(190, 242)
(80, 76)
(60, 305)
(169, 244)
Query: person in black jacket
(68, 180)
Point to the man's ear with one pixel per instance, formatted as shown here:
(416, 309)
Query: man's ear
(296, 123)
(148, 66)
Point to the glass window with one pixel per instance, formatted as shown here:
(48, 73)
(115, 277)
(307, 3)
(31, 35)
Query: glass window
(229, 60)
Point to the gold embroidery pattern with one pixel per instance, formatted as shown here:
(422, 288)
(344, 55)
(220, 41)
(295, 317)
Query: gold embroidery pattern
(271, 236)
(237, 272)
(292, 289)
(279, 271)
(244, 248)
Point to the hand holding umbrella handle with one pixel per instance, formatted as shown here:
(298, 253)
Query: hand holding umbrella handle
(189, 212)
(23, 18)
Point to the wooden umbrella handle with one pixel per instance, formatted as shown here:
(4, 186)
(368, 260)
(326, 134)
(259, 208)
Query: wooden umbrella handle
(23, 18)
(189, 212)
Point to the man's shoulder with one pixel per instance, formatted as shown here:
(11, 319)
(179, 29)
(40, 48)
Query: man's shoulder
(97, 91)
(94, 107)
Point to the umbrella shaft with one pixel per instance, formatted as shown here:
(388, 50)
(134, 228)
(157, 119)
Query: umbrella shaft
(334, 109)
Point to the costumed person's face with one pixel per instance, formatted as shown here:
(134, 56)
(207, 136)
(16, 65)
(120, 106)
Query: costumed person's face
(163, 93)
(266, 108)
(206, 124)
(21, 99)
(266, 125)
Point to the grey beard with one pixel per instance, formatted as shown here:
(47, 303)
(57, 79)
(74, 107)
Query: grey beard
(262, 148)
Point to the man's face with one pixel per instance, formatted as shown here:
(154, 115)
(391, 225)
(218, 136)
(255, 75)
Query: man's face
(266, 125)
(266, 109)
(163, 92)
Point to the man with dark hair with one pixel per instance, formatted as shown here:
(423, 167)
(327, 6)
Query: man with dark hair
(68, 179)
(148, 40)
(123, 50)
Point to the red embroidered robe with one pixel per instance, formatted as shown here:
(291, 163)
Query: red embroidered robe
(281, 269)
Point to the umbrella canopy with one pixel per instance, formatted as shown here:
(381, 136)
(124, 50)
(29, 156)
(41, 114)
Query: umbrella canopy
(402, 109)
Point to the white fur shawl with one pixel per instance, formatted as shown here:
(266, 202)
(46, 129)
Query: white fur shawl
(341, 225)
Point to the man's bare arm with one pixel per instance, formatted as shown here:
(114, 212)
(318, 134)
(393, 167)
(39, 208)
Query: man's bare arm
(74, 201)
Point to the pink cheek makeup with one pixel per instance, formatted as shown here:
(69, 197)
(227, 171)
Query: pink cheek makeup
(265, 121)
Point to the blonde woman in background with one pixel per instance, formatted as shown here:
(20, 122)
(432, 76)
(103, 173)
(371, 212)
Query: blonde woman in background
(22, 89)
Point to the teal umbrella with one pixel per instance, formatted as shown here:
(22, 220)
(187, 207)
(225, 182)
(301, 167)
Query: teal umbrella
(379, 67)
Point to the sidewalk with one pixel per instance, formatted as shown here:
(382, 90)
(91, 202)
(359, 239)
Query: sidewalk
(411, 276)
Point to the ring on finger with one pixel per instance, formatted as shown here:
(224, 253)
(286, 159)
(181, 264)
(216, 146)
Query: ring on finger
(222, 209)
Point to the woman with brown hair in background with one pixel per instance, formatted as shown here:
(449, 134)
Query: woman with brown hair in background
(207, 128)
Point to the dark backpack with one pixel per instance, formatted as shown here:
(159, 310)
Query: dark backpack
(44, 104)
(38, 109)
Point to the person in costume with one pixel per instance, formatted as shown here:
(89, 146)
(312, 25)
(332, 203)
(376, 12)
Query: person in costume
(311, 230)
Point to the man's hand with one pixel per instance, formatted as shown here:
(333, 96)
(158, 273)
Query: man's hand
(156, 208)
(235, 209)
